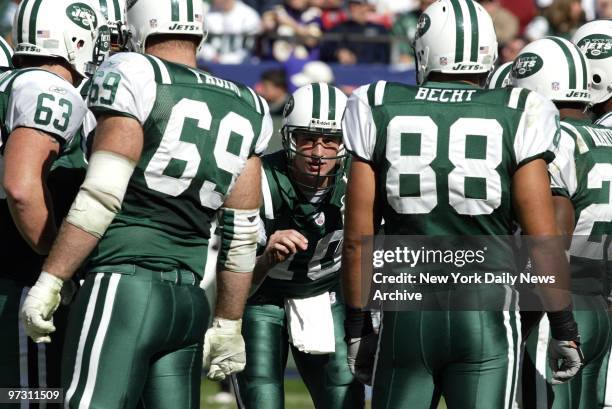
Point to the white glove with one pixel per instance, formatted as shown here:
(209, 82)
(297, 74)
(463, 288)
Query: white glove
(571, 356)
(224, 352)
(361, 357)
(40, 304)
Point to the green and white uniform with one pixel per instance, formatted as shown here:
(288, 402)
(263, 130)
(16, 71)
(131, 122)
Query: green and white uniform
(37, 99)
(137, 325)
(445, 155)
(604, 388)
(305, 274)
(581, 172)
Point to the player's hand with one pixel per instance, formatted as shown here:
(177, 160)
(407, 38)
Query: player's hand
(570, 355)
(282, 244)
(38, 308)
(224, 352)
(361, 357)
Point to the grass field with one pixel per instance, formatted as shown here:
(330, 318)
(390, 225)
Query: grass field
(296, 396)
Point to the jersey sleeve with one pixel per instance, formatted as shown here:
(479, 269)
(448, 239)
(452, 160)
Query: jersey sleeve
(538, 132)
(43, 101)
(358, 125)
(124, 85)
(267, 129)
(605, 120)
(562, 169)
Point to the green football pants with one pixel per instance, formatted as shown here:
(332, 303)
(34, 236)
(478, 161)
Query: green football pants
(469, 357)
(135, 334)
(581, 391)
(23, 363)
(604, 382)
(327, 377)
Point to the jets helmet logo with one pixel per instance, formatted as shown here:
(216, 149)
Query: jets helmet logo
(289, 107)
(423, 25)
(526, 65)
(596, 46)
(82, 15)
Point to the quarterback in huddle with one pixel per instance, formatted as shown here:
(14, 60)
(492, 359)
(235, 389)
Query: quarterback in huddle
(119, 156)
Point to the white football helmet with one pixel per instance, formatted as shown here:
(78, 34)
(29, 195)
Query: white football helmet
(6, 54)
(114, 12)
(455, 37)
(555, 68)
(315, 108)
(68, 29)
(500, 77)
(595, 41)
(149, 17)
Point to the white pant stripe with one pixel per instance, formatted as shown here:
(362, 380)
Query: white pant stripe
(76, 373)
(511, 360)
(96, 350)
(23, 350)
(540, 364)
(608, 390)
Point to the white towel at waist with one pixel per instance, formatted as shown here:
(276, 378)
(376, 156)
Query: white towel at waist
(310, 324)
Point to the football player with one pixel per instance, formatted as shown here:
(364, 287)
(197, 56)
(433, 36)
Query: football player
(298, 305)
(595, 41)
(56, 48)
(174, 147)
(581, 167)
(69, 171)
(449, 158)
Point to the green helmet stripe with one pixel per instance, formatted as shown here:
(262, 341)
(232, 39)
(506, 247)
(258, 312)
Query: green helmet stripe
(175, 10)
(117, 10)
(189, 10)
(331, 112)
(570, 61)
(585, 80)
(24, 5)
(33, 18)
(474, 30)
(459, 37)
(6, 52)
(104, 8)
(316, 101)
(501, 76)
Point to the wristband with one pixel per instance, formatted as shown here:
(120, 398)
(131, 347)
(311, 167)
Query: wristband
(563, 327)
(357, 323)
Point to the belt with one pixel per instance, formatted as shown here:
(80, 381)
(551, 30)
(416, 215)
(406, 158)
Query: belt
(176, 276)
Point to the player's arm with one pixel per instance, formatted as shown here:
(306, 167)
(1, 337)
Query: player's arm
(565, 217)
(42, 112)
(360, 220)
(224, 350)
(116, 150)
(533, 205)
(358, 223)
(240, 209)
(28, 156)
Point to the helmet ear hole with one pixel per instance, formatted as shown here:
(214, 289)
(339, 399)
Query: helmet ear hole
(596, 78)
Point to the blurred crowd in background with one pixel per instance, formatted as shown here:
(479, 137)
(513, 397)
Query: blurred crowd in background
(314, 33)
